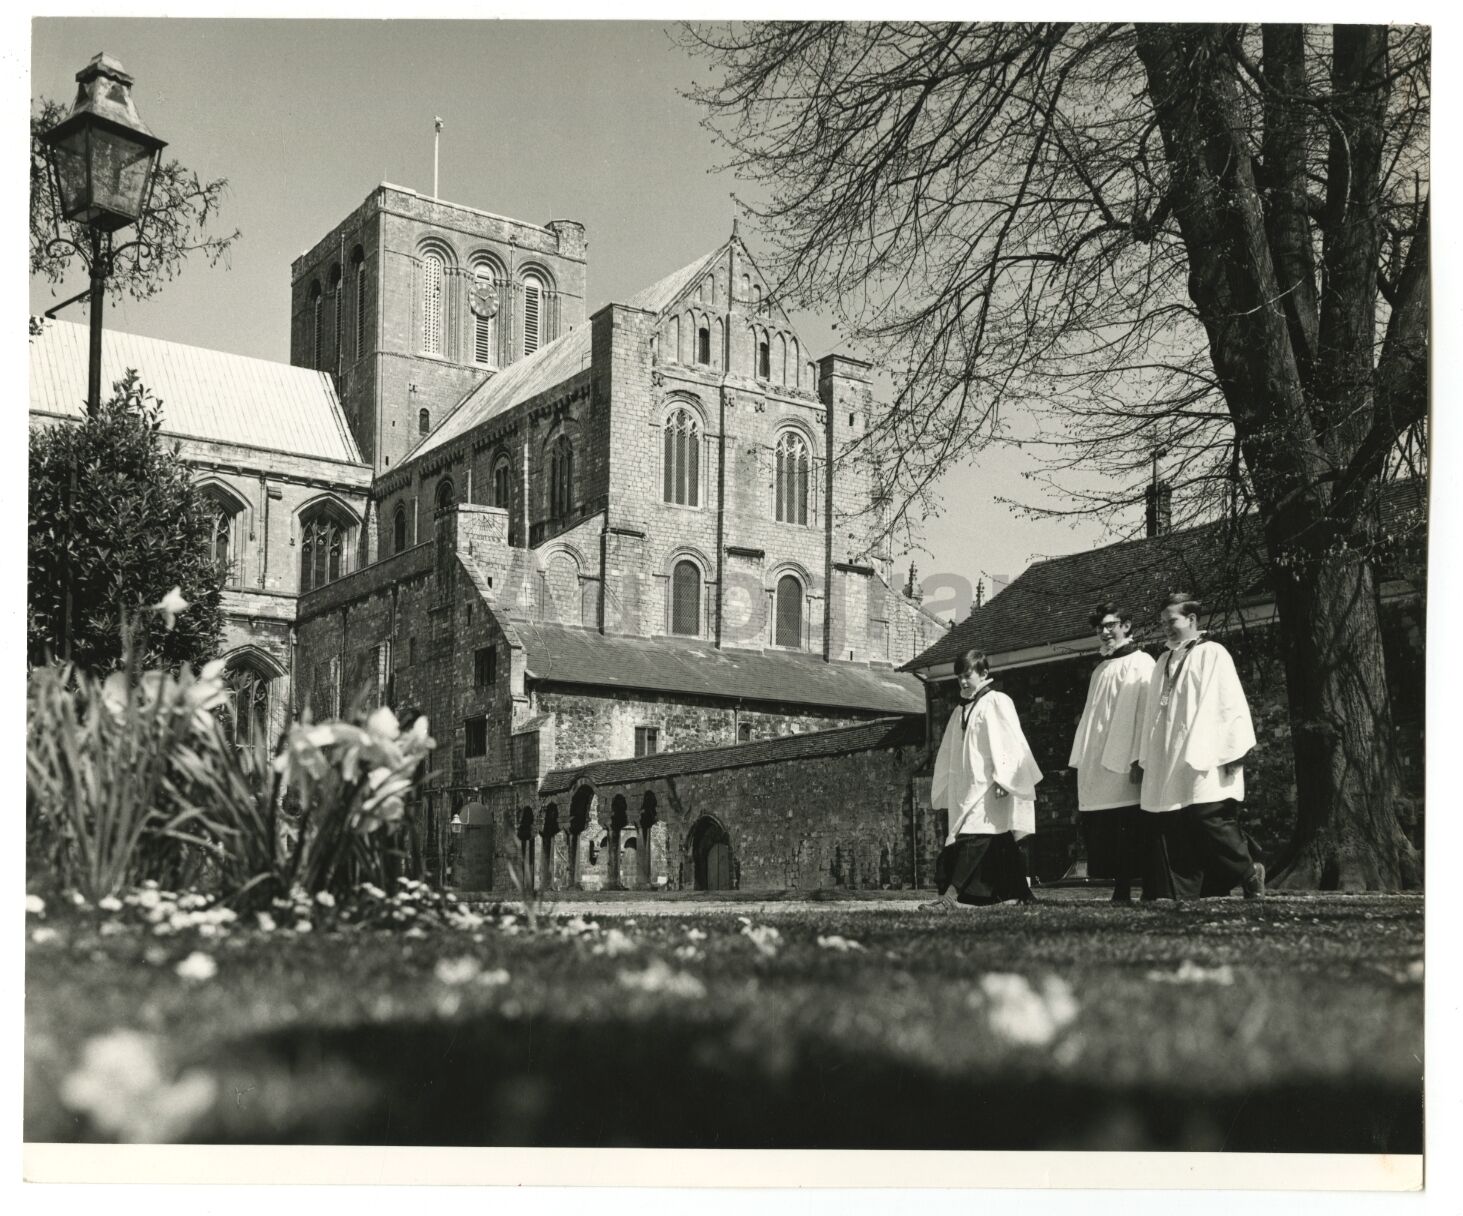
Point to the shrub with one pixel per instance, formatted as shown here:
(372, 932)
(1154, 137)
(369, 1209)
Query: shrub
(131, 525)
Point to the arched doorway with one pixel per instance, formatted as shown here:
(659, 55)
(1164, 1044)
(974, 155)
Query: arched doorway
(711, 855)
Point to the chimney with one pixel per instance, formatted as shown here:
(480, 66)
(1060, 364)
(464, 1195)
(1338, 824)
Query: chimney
(1159, 497)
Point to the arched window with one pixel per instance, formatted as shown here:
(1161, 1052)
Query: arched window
(703, 345)
(503, 484)
(484, 307)
(221, 525)
(682, 458)
(792, 478)
(317, 308)
(781, 359)
(398, 530)
(248, 718)
(424, 421)
(764, 360)
(324, 548)
(533, 313)
(337, 303)
(789, 611)
(358, 278)
(432, 271)
(686, 600)
(445, 496)
(673, 344)
(561, 478)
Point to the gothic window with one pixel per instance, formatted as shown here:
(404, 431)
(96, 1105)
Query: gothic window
(561, 478)
(792, 478)
(682, 459)
(324, 549)
(446, 495)
(686, 600)
(424, 421)
(703, 345)
(533, 313)
(337, 302)
(764, 360)
(795, 362)
(358, 277)
(398, 530)
(432, 271)
(789, 611)
(317, 307)
(484, 316)
(220, 526)
(503, 484)
(248, 719)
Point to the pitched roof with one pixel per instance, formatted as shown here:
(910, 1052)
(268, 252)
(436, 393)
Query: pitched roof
(865, 736)
(662, 295)
(564, 655)
(552, 364)
(1051, 601)
(205, 394)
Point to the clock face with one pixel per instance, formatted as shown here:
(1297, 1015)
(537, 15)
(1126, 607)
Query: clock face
(484, 300)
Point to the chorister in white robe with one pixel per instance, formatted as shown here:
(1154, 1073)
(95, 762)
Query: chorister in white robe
(1197, 721)
(989, 750)
(1106, 743)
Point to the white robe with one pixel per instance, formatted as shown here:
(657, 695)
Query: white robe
(1106, 743)
(1205, 726)
(991, 750)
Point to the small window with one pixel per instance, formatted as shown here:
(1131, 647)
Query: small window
(476, 736)
(686, 600)
(398, 530)
(358, 274)
(424, 421)
(533, 303)
(317, 309)
(647, 740)
(484, 666)
(503, 483)
(703, 345)
(446, 495)
(337, 303)
(744, 732)
(764, 361)
(789, 611)
(561, 479)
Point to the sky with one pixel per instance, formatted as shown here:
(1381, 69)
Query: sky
(542, 120)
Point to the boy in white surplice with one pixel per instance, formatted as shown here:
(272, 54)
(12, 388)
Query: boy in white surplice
(985, 775)
(1105, 754)
(1196, 735)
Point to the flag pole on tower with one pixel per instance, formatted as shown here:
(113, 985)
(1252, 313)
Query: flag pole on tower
(436, 140)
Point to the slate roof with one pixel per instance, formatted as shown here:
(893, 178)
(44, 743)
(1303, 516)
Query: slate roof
(562, 654)
(561, 359)
(205, 394)
(662, 295)
(1051, 601)
(866, 736)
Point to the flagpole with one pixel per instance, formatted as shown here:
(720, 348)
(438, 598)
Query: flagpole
(436, 140)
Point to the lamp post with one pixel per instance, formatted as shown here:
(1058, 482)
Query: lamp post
(103, 161)
(455, 828)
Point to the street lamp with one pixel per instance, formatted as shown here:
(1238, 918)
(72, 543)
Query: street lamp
(455, 827)
(103, 161)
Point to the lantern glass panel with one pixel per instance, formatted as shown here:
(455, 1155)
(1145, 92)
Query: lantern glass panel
(69, 157)
(120, 167)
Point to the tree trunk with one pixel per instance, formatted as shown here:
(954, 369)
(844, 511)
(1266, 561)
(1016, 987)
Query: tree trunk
(1346, 832)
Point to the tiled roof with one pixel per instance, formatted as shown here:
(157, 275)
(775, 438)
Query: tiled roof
(565, 655)
(866, 736)
(205, 394)
(1051, 601)
(561, 359)
(663, 294)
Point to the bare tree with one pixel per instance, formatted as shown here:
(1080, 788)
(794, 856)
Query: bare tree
(175, 225)
(1105, 240)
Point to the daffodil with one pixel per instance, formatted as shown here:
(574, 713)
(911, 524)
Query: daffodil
(172, 606)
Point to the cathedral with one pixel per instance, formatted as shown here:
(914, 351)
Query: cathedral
(625, 562)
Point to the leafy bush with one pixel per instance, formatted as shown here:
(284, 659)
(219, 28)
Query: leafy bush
(132, 525)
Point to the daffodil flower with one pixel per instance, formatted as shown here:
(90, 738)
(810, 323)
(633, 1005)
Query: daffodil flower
(172, 606)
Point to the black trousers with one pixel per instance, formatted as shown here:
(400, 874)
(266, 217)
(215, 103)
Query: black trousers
(983, 869)
(1114, 840)
(1196, 852)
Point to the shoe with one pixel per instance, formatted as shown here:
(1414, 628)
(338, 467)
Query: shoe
(938, 905)
(1254, 885)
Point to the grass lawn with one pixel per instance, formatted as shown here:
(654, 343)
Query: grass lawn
(1295, 1024)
